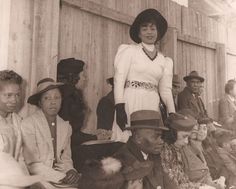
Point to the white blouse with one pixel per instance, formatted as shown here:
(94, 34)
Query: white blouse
(132, 64)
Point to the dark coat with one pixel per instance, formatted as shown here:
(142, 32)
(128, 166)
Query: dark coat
(187, 100)
(106, 111)
(73, 110)
(135, 168)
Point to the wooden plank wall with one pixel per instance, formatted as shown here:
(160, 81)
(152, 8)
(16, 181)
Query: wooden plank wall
(94, 37)
(39, 33)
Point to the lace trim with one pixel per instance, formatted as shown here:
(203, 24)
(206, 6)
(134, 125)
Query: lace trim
(141, 85)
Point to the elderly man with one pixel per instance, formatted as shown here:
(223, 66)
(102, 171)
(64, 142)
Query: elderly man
(190, 97)
(140, 156)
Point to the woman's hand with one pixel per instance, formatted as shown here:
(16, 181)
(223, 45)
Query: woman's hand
(121, 116)
(72, 177)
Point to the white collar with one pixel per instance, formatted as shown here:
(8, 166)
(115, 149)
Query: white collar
(149, 47)
(231, 98)
(145, 156)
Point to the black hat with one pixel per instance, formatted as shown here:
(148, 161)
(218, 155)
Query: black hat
(146, 16)
(110, 81)
(193, 75)
(70, 65)
(146, 119)
(43, 86)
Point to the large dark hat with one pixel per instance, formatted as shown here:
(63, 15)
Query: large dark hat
(146, 16)
(193, 75)
(70, 65)
(43, 86)
(182, 121)
(146, 119)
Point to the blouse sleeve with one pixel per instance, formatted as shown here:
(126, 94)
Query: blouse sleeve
(165, 85)
(122, 66)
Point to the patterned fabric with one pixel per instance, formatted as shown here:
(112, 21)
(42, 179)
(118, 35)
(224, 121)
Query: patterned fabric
(141, 85)
(173, 166)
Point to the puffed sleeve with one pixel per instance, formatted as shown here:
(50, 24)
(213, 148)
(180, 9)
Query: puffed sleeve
(165, 85)
(122, 65)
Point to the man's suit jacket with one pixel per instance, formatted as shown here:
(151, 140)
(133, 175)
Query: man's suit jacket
(187, 100)
(38, 147)
(227, 112)
(131, 157)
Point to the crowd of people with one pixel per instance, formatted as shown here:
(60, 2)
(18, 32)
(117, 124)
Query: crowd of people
(167, 140)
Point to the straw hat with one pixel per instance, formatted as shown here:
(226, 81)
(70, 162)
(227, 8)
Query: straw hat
(11, 174)
(145, 16)
(43, 86)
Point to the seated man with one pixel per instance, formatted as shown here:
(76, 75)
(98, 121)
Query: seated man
(190, 97)
(140, 156)
(10, 94)
(106, 109)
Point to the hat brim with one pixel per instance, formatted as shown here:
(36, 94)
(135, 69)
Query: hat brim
(34, 99)
(187, 78)
(146, 127)
(160, 21)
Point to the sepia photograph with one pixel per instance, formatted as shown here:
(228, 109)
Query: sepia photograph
(118, 94)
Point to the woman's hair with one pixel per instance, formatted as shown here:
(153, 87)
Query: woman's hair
(70, 78)
(169, 136)
(229, 85)
(9, 76)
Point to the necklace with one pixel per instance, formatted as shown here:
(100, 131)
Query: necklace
(151, 54)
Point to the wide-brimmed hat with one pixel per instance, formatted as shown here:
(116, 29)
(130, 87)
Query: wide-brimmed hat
(146, 16)
(146, 119)
(70, 66)
(12, 175)
(193, 75)
(176, 80)
(43, 86)
(182, 121)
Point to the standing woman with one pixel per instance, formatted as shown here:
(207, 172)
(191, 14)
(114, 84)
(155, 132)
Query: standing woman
(141, 71)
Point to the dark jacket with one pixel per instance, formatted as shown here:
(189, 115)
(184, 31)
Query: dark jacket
(73, 110)
(135, 168)
(106, 111)
(190, 101)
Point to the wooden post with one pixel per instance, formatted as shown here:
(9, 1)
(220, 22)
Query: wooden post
(169, 45)
(5, 9)
(221, 68)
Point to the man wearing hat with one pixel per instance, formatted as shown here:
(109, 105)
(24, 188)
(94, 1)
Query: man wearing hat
(175, 92)
(140, 156)
(106, 108)
(190, 97)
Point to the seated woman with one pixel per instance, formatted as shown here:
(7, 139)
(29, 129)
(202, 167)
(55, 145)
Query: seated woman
(46, 137)
(195, 165)
(180, 128)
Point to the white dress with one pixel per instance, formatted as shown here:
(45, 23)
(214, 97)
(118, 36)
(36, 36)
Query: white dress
(133, 65)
